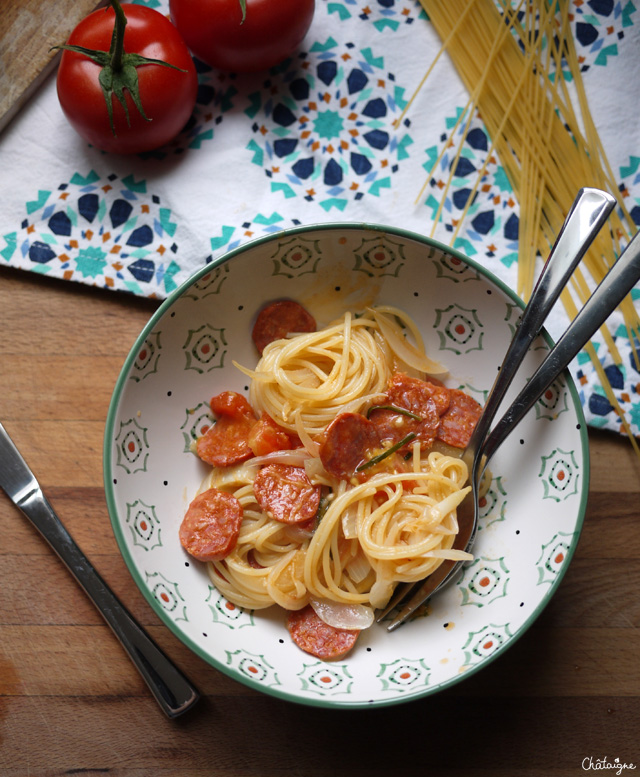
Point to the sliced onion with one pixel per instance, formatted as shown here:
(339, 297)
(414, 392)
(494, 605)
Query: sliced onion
(315, 469)
(439, 446)
(454, 555)
(312, 447)
(343, 616)
(358, 567)
(448, 505)
(381, 592)
(297, 533)
(296, 458)
(405, 350)
(350, 522)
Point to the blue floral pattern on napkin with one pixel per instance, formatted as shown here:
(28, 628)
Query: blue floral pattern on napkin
(322, 137)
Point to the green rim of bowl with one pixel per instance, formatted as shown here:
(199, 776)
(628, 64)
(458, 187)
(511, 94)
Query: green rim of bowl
(113, 512)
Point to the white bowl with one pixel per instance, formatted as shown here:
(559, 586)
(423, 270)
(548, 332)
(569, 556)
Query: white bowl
(530, 520)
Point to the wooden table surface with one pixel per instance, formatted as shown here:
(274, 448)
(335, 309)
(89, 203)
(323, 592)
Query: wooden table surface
(28, 30)
(71, 702)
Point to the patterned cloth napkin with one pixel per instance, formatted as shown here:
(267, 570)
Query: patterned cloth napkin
(311, 141)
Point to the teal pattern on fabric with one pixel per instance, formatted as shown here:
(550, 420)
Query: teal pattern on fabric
(320, 137)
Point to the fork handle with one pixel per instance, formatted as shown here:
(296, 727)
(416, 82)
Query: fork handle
(585, 219)
(615, 286)
(588, 214)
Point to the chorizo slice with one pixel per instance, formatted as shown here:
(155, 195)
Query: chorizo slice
(286, 494)
(458, 423)
(226, 442)
(316, 637)
(393, 426)
(211, 525)
(350, 440)
(415, 395)
(424, 403)
(279, 319)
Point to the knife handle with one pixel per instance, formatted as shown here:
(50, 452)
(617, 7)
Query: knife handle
(172, 690)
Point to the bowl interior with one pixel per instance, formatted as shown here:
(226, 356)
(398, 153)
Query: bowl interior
(531, 517)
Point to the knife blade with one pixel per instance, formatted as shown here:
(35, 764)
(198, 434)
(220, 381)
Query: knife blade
(172, 690)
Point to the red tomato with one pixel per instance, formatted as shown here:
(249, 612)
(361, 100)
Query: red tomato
(232, 404)
(167, 95)
(266, 437)
(214, 31)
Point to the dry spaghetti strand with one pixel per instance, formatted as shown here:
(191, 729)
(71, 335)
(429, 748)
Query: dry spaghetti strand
(519, 65)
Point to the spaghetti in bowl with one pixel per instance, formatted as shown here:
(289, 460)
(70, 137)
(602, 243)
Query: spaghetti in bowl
(199, 346)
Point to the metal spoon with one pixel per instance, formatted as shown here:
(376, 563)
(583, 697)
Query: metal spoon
(585, 219)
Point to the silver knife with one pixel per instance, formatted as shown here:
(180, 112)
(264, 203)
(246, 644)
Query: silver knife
(173, 691)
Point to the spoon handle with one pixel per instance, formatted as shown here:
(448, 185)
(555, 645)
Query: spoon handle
(588, 214)
(617, 283)
(172, 690)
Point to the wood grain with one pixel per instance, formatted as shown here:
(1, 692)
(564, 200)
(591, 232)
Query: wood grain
(28, 31)
(71, 702)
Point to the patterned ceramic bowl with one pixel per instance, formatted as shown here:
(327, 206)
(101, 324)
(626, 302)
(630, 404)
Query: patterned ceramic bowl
(531, 517)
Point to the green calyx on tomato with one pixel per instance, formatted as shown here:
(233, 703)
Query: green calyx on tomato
(119, 69)
(243, 8)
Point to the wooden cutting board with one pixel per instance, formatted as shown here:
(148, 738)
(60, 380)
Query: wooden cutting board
(28, 30)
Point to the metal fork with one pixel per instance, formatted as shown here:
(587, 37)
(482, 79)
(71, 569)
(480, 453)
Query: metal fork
(585, 219)
(618, 282)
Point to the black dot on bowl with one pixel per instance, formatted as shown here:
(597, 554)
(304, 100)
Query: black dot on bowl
(368, 650)
(204, 634)
(521, 604)
(240, 307)
(186, 563)
(446, 625)
(115, 480)
(489, 291)
(165, 482)
(521, 442)
(169, 393)
(337, 288)
(246, 388)
(281, 641)
(517, 531)
(173, 313)
(578, 426)
(415, 294)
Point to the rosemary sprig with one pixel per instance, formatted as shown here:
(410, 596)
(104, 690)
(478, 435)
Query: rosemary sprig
(377, 459)
(395, 409)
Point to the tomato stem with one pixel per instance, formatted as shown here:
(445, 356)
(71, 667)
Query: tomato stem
(118, 69)
(116, 51)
